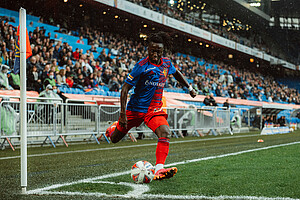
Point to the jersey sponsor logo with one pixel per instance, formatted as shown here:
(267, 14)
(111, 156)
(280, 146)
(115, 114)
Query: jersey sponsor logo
(130, 77)
(149, 69)
(147, 82)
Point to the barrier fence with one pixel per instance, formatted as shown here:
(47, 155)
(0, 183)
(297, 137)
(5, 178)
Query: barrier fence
(240, 119)
(58, 120)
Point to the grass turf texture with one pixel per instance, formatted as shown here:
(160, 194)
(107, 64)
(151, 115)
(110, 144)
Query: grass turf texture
(269, 173)
(53, 169)
(95, 187)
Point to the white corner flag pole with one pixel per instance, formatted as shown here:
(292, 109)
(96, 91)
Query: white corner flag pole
(23, 100)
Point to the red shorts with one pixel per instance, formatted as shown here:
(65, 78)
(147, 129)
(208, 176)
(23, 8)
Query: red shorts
(152, 119)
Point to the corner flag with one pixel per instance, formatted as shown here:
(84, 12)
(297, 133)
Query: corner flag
(17, 51)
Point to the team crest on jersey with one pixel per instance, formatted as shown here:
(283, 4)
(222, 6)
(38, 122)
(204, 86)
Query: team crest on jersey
(165, 72)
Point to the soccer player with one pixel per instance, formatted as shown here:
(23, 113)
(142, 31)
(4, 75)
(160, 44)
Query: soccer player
(149, 76)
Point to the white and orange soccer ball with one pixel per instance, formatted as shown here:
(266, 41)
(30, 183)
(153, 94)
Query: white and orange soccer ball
(142, 172)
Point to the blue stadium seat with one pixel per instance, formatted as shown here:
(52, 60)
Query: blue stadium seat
(105, 88)
(101, 92)
(92, 92)
(68, 90)
(62, 89)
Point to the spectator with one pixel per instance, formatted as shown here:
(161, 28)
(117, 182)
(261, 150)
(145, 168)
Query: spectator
(76, 54)
(218, 91)
(122, 65)
(54, 66)
(205, 90)
(99, 79)
(79, 82)
(56, 54)
(282, 121)
(3, 78)
(270, 99)
(80, 40)
(85, 72)
(84, 63)
(212, 100)
(48, 93)
(113, 84)
(50, 80)
(108, 58)
(61, 77)
(47, 111)
(93, 49)
(226, 104)
(34, 79)
(14, 81)
(68, 71)
(106, 76)
(102, 56)
(88, 81)
(33, 62)
(207, 101)
(69, 80)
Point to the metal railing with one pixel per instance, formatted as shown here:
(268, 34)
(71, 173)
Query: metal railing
(75, 119)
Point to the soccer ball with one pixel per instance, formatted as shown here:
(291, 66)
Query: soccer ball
(142, 172)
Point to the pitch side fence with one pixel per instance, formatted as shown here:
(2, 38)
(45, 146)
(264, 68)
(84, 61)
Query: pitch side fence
(55, 121)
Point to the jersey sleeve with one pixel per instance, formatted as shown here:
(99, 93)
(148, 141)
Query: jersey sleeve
(172, 69)
(134, 76)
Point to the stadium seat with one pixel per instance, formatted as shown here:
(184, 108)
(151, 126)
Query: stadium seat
(62, 89)
(105, 88)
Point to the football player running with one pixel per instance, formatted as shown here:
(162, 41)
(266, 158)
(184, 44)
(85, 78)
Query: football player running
(145, 105)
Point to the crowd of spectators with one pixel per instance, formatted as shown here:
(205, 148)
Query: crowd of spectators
(273, 120)
(56, 63)
(251, 40)
(236, 83)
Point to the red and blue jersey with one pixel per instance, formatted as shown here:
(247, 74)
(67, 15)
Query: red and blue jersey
(149, 80)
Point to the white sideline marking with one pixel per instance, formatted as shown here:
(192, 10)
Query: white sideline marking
(162, 196)
(125, 147)
(138, 189)
(140, 195)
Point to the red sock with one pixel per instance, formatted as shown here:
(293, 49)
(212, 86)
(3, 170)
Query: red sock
(162, 150)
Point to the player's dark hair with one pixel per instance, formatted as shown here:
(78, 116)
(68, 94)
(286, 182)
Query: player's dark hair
(161, 37)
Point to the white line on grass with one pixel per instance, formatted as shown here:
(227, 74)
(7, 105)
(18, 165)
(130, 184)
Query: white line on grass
(46, 191)
(125, 147)
(162, 196)
(138, 189)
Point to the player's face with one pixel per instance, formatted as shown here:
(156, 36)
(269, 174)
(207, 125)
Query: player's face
(155, 51)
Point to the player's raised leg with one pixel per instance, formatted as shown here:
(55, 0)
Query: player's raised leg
(116, 135)
(113, 133)
(116, 132)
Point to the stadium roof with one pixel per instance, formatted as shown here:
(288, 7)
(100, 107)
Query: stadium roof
(285, 8)
(242, 10)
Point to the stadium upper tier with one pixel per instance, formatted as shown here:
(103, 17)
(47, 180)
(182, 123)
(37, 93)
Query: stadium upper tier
(101, 68)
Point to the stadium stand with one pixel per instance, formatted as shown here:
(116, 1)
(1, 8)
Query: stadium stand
(107, 54)
(89, 64)
(192, 17)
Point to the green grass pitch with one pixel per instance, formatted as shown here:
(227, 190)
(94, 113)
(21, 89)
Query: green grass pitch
(269, 173)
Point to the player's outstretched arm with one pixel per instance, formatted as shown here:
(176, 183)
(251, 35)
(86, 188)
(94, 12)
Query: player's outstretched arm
(124, 93)
(180, 78)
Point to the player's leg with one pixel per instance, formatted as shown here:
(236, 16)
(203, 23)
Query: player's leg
(117, 135)
(117, 132)
(160, 126)
(162, 150)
